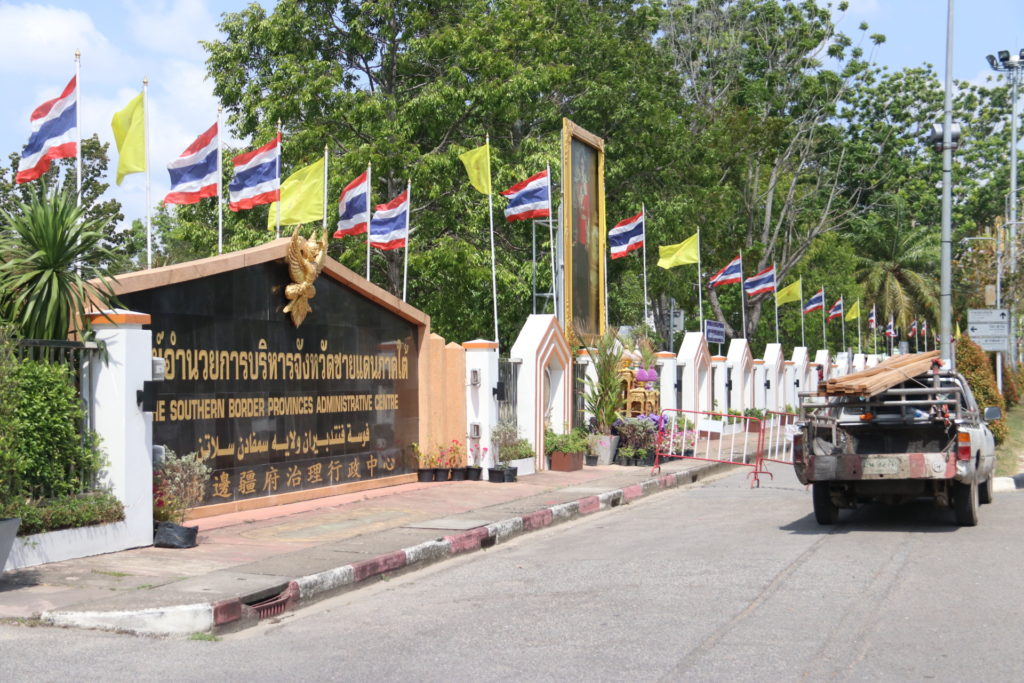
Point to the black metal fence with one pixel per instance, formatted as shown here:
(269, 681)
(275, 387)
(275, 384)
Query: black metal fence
(508, 399)
(80, 357)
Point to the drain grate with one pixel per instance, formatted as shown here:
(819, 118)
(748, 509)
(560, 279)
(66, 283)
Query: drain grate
(277, 604)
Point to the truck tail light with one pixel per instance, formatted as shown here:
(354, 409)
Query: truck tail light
(798, 448)
(963, 450)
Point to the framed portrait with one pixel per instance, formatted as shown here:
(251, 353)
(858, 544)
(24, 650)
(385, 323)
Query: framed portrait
(583, 228)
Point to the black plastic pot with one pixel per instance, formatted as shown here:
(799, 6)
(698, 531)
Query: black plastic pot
(473, 473)
(495, 475)
(458, 474)
(441, 473)
(171, 535)
(425, 475)
(591, 460)
(511, 474)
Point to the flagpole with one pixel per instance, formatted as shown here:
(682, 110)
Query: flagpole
(220, 185)
(490, 217)
(369, 212)
(78, 126)
(824, 337)
(803, 330)
(149, 203)
(859, 348)
(917, 336)
(605, 256)
(408, 212)
(700, 287)
(843, 318)
(280, 151)
(643, 255)
(533, 265)
(743, 301)
(551, 238)
(325, 191)
(776, 297)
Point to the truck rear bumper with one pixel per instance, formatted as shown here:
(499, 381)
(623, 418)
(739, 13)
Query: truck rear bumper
(880, 467)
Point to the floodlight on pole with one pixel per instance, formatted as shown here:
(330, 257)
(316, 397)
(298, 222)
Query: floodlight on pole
(1013, 65)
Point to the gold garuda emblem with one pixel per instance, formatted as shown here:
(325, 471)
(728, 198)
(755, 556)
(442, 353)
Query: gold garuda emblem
(305, 261)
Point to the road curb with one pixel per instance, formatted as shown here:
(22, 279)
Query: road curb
(236, 613)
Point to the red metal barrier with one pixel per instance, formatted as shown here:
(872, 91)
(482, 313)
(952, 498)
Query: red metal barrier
(714, 437)
(777, 436)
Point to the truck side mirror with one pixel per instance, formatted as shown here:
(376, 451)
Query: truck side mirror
(993, 413)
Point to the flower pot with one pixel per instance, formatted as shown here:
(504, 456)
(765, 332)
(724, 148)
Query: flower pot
(473, 473)
(623, 461)
(8, 532)
(604, 447)
(425, 475)
(511, 473)
(591, 460)
(441, 473)
(171, 535)
(496, 475)
(566, 462)
(753, 426)
(458, 474)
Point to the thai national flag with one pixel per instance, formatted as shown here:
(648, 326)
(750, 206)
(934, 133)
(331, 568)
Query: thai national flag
(760, 283)
(194, 175)
(389, 227)
(354, 207)
(730, 275)
(912, 332)
(627, 235)
(529, 199)
(890, 330)
(54, 134)
(837, 309)
(872, 320)
(257, 176)
(924, 329)
(816, 303)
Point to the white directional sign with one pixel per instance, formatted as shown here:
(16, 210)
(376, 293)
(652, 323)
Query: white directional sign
(992, 343)
(988, 329)
(987, 315)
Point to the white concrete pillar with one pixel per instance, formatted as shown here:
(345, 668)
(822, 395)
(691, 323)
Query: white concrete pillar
(667, 374)
(125, 430)
(481, 404)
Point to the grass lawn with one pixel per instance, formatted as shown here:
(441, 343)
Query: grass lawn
(1008, 453)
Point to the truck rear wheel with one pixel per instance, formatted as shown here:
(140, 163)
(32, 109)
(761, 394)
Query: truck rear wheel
(825, 511)
(965, 503)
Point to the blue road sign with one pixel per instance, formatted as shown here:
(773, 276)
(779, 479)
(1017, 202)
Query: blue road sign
(714, 331)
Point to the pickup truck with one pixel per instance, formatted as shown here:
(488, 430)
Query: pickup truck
(924, 437)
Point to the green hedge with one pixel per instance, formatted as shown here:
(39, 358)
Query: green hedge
(973, 364)
(68, 512)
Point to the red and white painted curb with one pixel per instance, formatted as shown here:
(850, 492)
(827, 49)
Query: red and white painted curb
(233, 614)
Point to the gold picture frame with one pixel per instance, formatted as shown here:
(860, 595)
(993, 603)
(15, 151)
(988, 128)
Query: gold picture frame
(583, 231)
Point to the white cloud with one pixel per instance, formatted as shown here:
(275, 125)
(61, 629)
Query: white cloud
(172, 28)
(40, 39)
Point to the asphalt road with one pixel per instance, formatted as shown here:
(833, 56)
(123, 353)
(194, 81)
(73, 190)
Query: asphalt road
(720, 582)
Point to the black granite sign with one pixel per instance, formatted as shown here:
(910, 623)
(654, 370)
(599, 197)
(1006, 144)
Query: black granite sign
(274, 408)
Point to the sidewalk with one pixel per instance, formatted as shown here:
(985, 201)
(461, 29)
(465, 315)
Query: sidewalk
(291, 555)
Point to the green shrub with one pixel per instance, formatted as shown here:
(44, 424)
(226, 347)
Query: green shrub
(973, 364)
(44, 454)
(10, 484)
(66, 512)
(178, 485)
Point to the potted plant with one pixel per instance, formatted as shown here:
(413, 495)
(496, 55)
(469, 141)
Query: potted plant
(754, 425)
(425, 464)
(178, 485)
(601, 396)
(475, 461)
(565, 450)
(453, 456)
(637, 434)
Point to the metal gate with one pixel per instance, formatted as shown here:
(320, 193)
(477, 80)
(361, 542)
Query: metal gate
(777, 432)
(508, 398)
(579, 391)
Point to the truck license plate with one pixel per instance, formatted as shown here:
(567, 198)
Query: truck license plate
(881, 466)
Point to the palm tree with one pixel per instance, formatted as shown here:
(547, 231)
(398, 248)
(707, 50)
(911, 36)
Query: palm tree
(47, 280)
(896, 264)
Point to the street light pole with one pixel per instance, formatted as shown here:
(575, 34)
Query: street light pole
(1012, 65)
(946, 264)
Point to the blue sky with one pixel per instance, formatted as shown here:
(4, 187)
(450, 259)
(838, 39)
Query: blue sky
(124, 40)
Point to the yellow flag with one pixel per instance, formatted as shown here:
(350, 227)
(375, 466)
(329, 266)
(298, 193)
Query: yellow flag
(854, 311)
(478, 166)
(957, 335)
(129, 126)
(793, 292)
(302, 197)
(687, 251)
